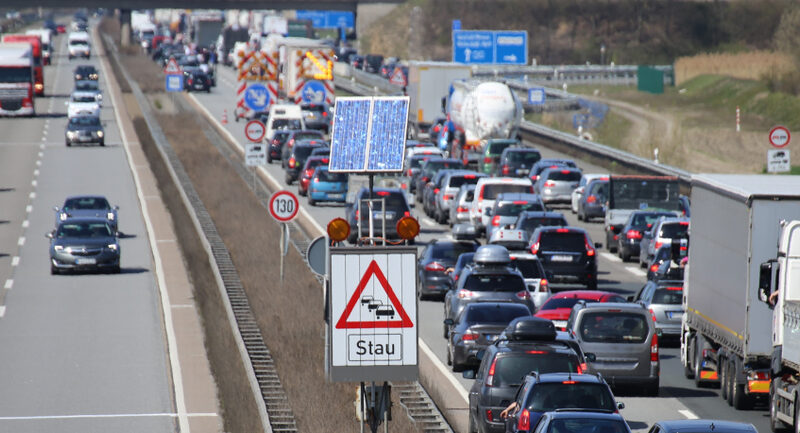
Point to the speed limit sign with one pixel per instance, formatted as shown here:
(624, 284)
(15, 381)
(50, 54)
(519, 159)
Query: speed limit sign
(283, 206)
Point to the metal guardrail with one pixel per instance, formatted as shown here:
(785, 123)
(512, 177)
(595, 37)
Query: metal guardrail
(588, 74)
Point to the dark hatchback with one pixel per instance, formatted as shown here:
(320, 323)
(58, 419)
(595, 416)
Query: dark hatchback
(527, 345)
(517, 161)
(197, 81)
(86, 72)
(295, 136)
(630, 236)
(276, 145)
(84, 129)
(433, 263)
(567, 253)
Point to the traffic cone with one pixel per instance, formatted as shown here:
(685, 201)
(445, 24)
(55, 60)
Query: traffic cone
(225, 117)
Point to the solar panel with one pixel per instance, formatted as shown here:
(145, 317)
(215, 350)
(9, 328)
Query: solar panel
(369, 134)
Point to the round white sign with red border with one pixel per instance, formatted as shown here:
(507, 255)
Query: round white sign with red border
(283, 206)
(779, 136)
(255, 130)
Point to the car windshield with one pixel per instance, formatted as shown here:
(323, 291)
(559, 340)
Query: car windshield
(613, 327)
(494, 283)
(478, 313)
(433, 167)
(84, 230)
(564, 175)
(86, 203)
(450, 251)
(327, 176)
(531, 224)
(280, 136)
(15, 75)
(567, 241)
(467, 179)
(306, 135)
(528, 268)
(547, 397)
(674, 230)
(286, 124)
(85, 121)
(510, 370)
(528, 157)
(491, 191)
(78, 42)
(514, 208)
(83, 98)
(581, 425)
(668, 296)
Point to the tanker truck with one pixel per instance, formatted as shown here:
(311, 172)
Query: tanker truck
(481, 111)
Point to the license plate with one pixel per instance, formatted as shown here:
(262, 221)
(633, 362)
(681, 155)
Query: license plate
(335, 195)
(379, 215)
(522, 170)
(675, 314)
(82, 138)
(85, 261)
(561, 259)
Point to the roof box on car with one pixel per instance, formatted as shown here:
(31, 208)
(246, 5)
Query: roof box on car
(464, 232)
(491, 255)
(530, 328)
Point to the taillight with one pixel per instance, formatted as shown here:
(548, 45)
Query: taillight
(654, 349)
(524, 295)
(403, 186)
(658, 245)
(591, 199)
(292, 162)
(535, 248)
(447, 197)
(496, 221)
(653, 315)
(487, 160)
(490, 375)
(190, 81)
(633, 234)
(290, 143)
(434, 267)
(549, 183)
(462, 209)
(489, 416)
(543, 285)
(524, 420)
(309, 172)
(409, 173)
(324, 114)
(583, 367)
(506, 170)
(589, 249)
(654, 268)
(436, 190)
(470, 336)
(465, 294)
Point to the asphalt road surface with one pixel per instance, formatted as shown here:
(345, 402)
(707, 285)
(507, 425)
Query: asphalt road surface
(678, 398)
(80, 353)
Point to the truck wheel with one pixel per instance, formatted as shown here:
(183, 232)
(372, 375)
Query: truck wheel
(723, 379)
(688, 368)
(736, 395)
(775, 424)
(699, 345)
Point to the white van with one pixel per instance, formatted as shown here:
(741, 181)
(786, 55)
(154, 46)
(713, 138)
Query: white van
(78, 45)
(283, 116)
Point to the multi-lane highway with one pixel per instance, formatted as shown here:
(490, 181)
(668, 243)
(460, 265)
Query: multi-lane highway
(83, 352)
(678, 398)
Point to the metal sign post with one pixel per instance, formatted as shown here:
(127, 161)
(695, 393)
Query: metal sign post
(283, 206)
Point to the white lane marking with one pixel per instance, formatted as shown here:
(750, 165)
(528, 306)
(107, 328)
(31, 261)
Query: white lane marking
(25, 224)
(41, 146)
(28, 208)
(115, 415)
(38, 163)
(32, 195)
(688, 414)
(15, 261)
(9, 284)
(21, 241)
(33, 182)
(41, 154)
(636, 271)
(611, 257)
(2, 310)
(36, 172)
(44, 138)
(427, 221)
(172, 345)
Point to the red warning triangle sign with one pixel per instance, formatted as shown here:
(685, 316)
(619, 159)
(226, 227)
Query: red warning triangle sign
(398, 77)
(374, 270)
(172, 67)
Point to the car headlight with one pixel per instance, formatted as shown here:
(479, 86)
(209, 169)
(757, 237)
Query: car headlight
(72, 134)
(113, 247)
(100, 134)
(77, 77)
(58, 247)
(62, 216)
(111, 215)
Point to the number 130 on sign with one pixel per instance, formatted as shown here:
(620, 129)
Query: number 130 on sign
(283, 206)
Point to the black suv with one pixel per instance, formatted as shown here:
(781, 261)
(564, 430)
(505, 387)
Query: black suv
(317, 116)
(517, 161)
(296, 135)
(568, 253)
(528, 344)
(396, 208)
(276, 145)
(541, 393)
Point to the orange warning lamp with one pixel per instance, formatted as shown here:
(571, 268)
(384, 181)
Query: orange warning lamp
(338, 229)
(407, 228)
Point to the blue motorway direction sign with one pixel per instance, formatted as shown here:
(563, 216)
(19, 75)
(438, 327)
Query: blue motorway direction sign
(174, 83)
(536, 96)
(490, 47)
(328, 19)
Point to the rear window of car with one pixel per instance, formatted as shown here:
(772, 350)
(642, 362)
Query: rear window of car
(643, 220)
(457, 181)
(567, 241)
(497, 148)
(511, 369)
(531, 224)
(491, 191)
(565, 175)
(86, 203)
(599, 188)
(315, 108)
(280, 136)
(451, 251)
(494, 283)
(416, 162)
(286, 124)
(394, 201)
(433, 167)
(668, 296)
(613, 327)
(528, 268)
(477, 313)
(306, 135)
(327, 176)
(556, 303)
(581, 425)
(547, 397)
(528, 157)
(514, 208)
(674, 230)
(301, 152)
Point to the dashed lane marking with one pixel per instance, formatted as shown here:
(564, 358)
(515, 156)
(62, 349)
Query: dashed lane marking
(36, 172)
(636, 271)
(21, 241)
(9, 284)
(2, 310)
(28, 208)
(15, 261)
(688, 414)
(33, 182)
(25, 224)
(611, 257)
(428, 221)
(32, 195)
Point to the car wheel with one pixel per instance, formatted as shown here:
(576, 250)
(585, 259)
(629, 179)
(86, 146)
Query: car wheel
(652, 389)
(449, 357)
(102, 143)
(68, 143)
(269, 158)
(116, 270)
(311, 201)
(53, 270)
(288, 180)
(580, 216)
(446, 332)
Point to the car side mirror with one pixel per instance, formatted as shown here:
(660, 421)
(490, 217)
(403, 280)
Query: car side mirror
(55, 208)
(449, 322)
(116, 207)
(620, 405)
(591, 357)
(49, 235)
(598, 245)
(765, 282)
(631, 298)
(468, 374)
